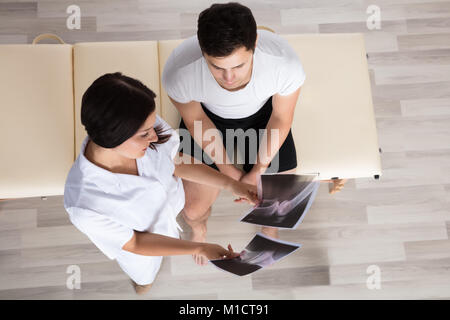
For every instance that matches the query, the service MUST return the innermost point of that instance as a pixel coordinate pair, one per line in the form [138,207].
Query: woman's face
[136,146]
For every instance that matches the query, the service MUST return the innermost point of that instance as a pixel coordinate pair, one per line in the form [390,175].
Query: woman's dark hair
[222,28]
[115,107]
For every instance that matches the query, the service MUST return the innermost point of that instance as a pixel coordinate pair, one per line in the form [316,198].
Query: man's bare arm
[283,108]
[193,111]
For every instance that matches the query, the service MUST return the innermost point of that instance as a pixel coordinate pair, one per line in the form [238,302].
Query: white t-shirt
[276,70]
[108,207]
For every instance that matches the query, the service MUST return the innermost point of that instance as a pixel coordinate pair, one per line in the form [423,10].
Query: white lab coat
[107,207]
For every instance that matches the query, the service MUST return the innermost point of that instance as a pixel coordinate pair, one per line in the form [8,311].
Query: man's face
[233,71]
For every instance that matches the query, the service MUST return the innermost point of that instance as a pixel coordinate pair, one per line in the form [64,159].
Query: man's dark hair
[114,107]
[222,28]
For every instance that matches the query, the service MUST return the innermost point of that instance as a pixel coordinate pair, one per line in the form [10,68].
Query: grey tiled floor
[400,223]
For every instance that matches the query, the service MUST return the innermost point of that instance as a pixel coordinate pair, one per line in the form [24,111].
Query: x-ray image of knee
[261,258]
[284,186]
[261,252]
[285,200]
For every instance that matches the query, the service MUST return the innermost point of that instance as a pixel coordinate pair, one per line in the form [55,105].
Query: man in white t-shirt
[232,77]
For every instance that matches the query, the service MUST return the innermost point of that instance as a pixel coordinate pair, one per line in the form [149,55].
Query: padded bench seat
[36,119]
[334,125]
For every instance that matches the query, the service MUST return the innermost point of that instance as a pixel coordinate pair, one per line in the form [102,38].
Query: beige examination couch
[41,86]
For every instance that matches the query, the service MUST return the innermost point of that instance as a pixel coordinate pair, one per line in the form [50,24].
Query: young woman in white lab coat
[124,190]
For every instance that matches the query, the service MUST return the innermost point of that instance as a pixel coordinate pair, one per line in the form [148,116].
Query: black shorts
[285,159]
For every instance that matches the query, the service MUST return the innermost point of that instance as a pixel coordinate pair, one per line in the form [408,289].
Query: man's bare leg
[197,209]
[273,232]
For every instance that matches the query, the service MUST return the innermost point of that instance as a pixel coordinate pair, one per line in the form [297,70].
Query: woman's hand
[245,192]
[217,252]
